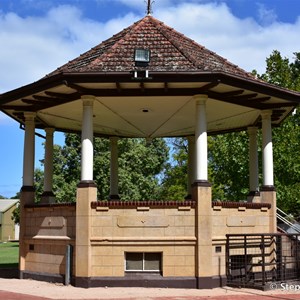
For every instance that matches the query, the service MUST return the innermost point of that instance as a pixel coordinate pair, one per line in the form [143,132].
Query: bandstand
[147,81]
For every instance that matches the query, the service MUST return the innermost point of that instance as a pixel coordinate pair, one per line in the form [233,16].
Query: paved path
[16,296]
[16,289]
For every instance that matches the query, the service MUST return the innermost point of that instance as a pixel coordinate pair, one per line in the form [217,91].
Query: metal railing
[257,260]
[287,223]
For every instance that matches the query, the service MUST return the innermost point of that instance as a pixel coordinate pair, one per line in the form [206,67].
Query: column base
[48,197]
[204,183]
[86,183]
[27,195]
[253,197]
[268,188]
[27,188]
[211,282]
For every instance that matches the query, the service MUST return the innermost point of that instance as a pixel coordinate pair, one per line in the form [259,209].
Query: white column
[87,147]
[114,178]
[268,179]
[29,149]
[191,164]
[253,159]
[201,138]
[48,166]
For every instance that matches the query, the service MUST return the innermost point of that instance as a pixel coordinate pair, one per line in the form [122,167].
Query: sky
[37,36]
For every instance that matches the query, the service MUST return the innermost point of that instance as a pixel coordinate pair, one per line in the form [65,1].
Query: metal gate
[257,260]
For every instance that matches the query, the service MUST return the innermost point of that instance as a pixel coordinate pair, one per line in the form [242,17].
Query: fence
[256,260]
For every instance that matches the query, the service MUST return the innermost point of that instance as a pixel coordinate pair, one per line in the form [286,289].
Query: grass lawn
[9,255]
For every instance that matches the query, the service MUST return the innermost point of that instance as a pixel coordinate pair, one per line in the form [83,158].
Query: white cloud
[265,15]
[35,46]
[242,41]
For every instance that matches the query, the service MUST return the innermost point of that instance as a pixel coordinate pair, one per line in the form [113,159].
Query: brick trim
[232,204]
[40,205]
[135,204]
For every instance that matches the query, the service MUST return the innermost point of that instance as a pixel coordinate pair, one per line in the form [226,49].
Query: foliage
[139,166]
[228,165]
[174,182]
[286,141]
[16,215]
[281,72]
[16,212]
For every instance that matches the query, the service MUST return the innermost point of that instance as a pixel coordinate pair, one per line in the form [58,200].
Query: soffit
[149,108]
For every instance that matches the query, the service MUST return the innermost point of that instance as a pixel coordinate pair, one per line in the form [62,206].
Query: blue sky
[37,36]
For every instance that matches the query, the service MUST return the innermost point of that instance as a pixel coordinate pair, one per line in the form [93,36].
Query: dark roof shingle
[171,51]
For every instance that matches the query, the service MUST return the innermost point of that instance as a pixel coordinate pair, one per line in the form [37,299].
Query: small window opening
[141,57]
[218,249]
[142,262]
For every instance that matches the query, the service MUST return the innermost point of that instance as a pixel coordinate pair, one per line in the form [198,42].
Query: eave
[121,77]
[53,97]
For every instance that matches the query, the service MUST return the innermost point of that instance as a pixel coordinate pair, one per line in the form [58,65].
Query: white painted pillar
[29,150]
[253,160]
[268,178]
[114,178]
[48,166]
[201,138]
[87,147]
[191,164]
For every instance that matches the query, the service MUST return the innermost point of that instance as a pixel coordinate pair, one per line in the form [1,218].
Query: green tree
[228,165]
[140,164]
[174,181]
[16,215]
[281,72]
[16,212]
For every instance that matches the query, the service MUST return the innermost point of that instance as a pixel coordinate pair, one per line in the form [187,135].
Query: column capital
[49,130]
[113,139]
[191,138]
[252,130]
[200,99]
[88,100]
[29,115]
[266,114]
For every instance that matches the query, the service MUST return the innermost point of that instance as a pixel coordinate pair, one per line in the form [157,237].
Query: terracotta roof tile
[170,51]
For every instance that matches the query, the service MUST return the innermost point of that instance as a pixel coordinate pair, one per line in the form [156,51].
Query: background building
[8,229]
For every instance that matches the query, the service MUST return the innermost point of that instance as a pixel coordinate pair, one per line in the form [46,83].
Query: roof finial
[149,6]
